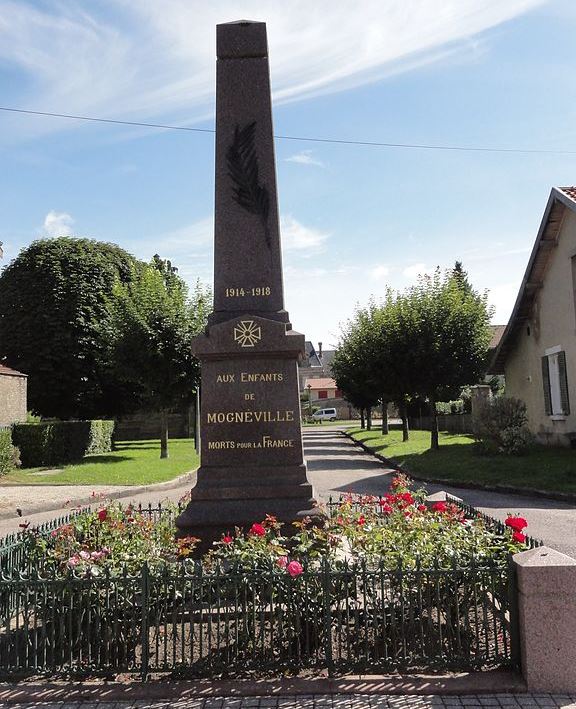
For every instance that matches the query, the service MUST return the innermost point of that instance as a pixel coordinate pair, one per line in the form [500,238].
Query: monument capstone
[252,461]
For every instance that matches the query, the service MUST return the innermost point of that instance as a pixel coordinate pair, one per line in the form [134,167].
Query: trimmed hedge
[58,442]
[6,451]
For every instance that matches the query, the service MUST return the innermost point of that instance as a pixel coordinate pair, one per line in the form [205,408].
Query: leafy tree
[152,323]
[445,329]
[53,305]
[352,368]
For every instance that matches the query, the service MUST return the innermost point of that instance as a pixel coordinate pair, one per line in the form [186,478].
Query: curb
[508,489]
[485,683]
[129,492]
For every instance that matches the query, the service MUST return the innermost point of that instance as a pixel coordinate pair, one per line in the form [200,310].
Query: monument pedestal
[252,458]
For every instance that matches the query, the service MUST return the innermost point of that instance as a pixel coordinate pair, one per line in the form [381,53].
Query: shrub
[57,442]
[398,528]
[9,454]
[500,426]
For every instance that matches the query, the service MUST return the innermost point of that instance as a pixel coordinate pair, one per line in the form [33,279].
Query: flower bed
[386,583]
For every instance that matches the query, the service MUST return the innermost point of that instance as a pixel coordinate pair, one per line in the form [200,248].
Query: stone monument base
[219,503]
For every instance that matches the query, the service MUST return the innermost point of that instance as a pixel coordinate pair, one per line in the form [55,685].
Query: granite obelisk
[252,460]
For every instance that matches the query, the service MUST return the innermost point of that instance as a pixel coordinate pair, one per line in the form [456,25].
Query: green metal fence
[186,621]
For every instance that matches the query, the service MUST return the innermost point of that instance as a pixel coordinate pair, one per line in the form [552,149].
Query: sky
[354,219]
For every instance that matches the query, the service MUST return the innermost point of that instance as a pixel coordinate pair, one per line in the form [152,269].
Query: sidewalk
[326,701]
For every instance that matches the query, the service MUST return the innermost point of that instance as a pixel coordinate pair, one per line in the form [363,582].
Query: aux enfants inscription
[252,461]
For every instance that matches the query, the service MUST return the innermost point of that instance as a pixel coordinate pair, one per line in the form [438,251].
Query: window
[338,394]
[555,381]
[322,394]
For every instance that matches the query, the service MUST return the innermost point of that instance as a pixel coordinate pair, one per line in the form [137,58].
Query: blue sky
[354,219]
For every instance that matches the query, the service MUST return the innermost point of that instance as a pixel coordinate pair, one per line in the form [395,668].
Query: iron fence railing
[192,621]
[187,621]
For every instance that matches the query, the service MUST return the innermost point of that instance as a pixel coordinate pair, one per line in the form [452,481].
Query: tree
[352,367]
[152,324]
[445,327]
[53,306]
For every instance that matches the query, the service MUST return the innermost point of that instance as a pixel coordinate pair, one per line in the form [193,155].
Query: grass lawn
[133,463]
[458,461]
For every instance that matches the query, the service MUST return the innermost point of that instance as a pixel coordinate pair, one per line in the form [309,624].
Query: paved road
[336,465]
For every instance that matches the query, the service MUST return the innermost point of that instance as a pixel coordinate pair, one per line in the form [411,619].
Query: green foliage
[429,341]
[500,426]
[53,306]
[152,324]
[57,442]
[9,454]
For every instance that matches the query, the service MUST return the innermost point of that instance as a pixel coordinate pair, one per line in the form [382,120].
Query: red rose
[294,568]
[516,523]
[519,537]
[102,515]
[387,509]
[406,497]
[227,539]
[257,530]
[361,520]
[439,507]
[422,508]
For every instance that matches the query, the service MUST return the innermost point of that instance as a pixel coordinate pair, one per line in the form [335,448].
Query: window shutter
[564,397]
[546,382]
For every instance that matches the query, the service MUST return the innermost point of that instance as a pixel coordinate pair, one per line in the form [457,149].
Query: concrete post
[547,616]
[480,394]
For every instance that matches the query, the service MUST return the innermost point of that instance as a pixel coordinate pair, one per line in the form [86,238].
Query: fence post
[327,617]
[515,653]
[546,602]
[145,593]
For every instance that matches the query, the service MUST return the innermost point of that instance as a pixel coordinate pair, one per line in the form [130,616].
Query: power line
[333,141]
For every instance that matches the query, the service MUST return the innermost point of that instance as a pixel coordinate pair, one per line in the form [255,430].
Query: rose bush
[395,529]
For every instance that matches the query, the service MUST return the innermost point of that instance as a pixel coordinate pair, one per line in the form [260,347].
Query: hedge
[57,442]
[6,453]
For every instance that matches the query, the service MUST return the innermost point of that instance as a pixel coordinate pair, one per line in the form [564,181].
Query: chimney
[319,350]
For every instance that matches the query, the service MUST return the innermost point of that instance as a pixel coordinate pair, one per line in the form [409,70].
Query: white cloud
[305,157]
[416,269]
[380,271]
[57,224]
[150,59]
[297,237]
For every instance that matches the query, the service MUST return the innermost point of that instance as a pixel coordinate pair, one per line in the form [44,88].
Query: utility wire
[334,141]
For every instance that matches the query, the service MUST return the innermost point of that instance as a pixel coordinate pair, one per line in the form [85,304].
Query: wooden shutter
[546,382]
[564,396]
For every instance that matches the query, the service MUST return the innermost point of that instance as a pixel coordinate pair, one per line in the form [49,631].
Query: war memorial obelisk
[252,461]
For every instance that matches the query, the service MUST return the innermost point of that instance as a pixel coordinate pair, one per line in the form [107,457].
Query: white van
[324,415]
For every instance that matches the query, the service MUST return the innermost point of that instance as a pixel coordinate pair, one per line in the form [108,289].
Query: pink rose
[73,561]
[282,562]
[84,555]
[294,568]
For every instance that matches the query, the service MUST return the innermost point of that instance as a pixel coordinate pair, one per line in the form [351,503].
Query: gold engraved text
[268,442]
[261,377]
[251,416]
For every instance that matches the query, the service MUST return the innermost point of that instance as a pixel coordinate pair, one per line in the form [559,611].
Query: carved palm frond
[243,170]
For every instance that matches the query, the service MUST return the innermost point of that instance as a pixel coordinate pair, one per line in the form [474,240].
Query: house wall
[13,392]
[553,324]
